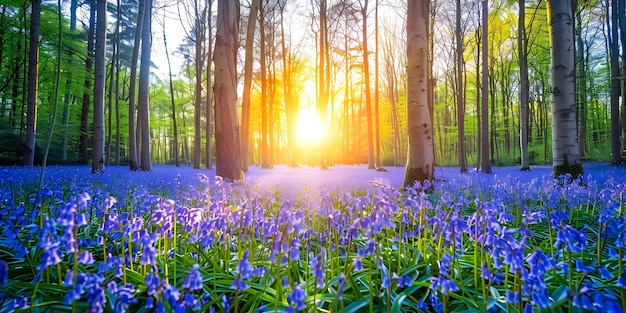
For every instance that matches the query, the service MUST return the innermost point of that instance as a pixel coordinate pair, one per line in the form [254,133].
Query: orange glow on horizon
[309,127]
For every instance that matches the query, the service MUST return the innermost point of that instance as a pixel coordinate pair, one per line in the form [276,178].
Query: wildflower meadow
[305,240]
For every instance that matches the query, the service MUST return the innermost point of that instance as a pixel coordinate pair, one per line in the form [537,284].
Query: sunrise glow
[309,126]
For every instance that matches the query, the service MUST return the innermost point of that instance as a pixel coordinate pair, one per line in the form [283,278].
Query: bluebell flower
[148,255]
[604,273]
[318,269]
[96,298]
[340,285]
[85,257]
[512,297]
[193,281]
[370,247]
[357,264]
[581,267]
[152,282]
[225,303]
[192,302]
[297,297]
[4,273]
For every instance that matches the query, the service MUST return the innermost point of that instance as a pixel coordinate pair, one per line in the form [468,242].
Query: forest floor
[287,180]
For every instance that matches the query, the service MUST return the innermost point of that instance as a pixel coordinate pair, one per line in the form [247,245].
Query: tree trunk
[117,86]
[616,141]
[97,157]
[209,83]
[368,95]
[265,153]
[376,91]
[247,83]
[460,91]
[227,144]
[565,156]
[622,25]
[197,107]
[581,69]
[132,129]
[522,44]
[143,108]
[28,147]
[419,166]
[174,125]
[484,106]
[84,115]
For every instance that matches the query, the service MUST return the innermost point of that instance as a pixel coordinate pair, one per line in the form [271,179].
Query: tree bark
[247,83]
[616,142]
[143,109]
[97,157]
[368,94]
[209,87]
[484,106]
[460,91]
[522,46]
[419,166]
[198,32]
[28,148]
[622,26]
[565,156]
[132,131]
[227,141]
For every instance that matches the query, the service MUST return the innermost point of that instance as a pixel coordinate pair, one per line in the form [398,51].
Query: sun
[309,127]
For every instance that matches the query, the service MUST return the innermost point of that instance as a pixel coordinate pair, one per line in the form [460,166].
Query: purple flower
[4,273]
[604,273]
[297,297]
[340,285]
[581,267]
[193,281]
[357,264]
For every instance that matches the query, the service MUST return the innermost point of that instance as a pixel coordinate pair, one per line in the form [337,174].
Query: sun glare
[309,126]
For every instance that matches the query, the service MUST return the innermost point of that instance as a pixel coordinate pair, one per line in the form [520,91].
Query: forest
[316,82]
[399,156]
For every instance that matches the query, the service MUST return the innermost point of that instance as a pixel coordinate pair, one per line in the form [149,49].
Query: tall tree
[247,84]
[368,94]
[209,83]
[171,84]
[86,101]
[97,157]
[460,90]
[484,106]
[227,144]
[132,88]
[143,108]
[565,156]
[616,143]
[420,158]
[28,148]
[522,46]
[622,25]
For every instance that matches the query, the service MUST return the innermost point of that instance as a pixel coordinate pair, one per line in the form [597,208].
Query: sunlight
[309,127]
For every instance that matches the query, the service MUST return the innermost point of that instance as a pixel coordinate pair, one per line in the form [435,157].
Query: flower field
[179,240]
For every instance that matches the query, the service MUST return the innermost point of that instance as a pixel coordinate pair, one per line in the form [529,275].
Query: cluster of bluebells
[145,251]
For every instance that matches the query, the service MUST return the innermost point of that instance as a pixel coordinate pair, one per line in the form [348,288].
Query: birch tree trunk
[28,148]
[420,158]
[97,159]
[227,144]
[565,155]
